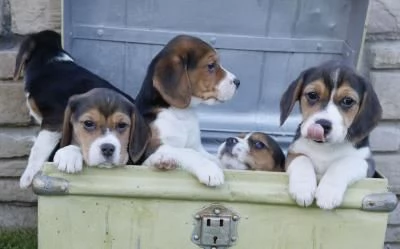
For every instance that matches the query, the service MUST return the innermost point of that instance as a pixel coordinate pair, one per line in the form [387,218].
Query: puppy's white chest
[178,127]
[324,155]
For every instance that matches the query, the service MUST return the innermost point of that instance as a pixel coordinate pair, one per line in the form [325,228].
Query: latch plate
[215,227]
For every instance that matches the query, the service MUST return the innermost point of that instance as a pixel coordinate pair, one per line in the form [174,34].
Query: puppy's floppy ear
[139,136]
[368,116]
[172,81]
[23,55]
[66,137]
[290,96]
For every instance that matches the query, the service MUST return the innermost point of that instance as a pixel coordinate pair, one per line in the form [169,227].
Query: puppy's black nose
[231,141]
[236,82]
[107,150]
[326,125]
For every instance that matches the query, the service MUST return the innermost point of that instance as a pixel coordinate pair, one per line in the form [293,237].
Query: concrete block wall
[20,17]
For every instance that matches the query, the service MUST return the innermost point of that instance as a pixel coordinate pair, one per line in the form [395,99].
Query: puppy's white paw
[26,179]
[329,196]
[210,174]
[161,161]
[69,159]
[303,190]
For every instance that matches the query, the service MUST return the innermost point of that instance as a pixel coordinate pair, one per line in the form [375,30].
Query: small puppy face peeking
[106,126]
[188,71]
[336,104]
[253,151]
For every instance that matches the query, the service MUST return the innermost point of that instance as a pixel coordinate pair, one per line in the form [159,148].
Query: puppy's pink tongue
[316,132]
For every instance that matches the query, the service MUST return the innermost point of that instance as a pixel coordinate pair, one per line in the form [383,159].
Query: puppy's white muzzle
[105,151]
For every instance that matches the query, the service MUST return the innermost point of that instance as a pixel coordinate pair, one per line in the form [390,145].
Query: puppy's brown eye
[89,125]
[312,97]
[211,67]
[121,126]
[347,102]
[259,145]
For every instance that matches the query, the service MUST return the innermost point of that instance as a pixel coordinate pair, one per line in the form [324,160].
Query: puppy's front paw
[26,179]
[329,196]
[161,162]
[303,190]
[210,174]
[69,159]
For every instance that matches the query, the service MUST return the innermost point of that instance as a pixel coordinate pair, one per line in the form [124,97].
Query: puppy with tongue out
[330,150]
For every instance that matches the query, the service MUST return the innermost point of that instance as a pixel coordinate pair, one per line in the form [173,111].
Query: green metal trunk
[141,208]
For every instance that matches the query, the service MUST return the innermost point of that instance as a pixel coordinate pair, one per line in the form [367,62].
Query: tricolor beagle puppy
[185,73]
[339,110]
[252,151]
[102,126]
[51,76]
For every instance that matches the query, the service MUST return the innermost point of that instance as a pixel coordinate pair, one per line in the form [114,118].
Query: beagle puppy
[101,126]
[339,110]
[252,151]
[184,74]
[51,76]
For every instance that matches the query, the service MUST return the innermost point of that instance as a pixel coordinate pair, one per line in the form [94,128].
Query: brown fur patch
[203,81]
[261,159]
[182,71]
[345,90]
[318,87]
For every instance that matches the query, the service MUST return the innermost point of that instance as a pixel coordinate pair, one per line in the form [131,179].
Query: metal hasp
[47,185]
[215,227]
[380,202]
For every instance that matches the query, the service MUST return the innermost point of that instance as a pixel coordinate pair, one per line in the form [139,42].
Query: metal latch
[215,227]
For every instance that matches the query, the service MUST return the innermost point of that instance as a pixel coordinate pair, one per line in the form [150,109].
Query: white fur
[37,118]
[62,57]
[69,159]
[240,152]
[206,171]
[179,133]
[95,156]
[331,113]
[337,165]
[302,180]
[226,88]
[44,144]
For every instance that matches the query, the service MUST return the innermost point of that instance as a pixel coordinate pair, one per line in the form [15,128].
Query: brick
[11,192]
[17,216]
[387,87]
[388,165]
[394,216]
[385,138]
[385,55]
[383,16]
[12,167]
[13,108]
[35,15]
[7,65]
[16,142]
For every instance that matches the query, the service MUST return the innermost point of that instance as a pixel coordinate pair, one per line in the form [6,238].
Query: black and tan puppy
[104,128]
[51,76]
[339,109]
[252,151]
[186,73]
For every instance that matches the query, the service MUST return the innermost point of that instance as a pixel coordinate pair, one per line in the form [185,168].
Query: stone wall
[17,132]
[19,17]
[383,57]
